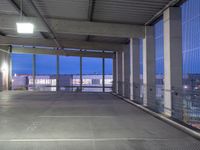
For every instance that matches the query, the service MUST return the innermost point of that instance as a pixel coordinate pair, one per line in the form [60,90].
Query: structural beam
[173,63]
[77,27]
[91,13]
[64,43]
[62,52]
[172,3]
[45,22]
[91,9]
[17,7]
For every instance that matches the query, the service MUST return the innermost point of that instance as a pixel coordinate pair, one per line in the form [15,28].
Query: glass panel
[69,73]
[21,71]
[45,79]
[191,61]
[92,74]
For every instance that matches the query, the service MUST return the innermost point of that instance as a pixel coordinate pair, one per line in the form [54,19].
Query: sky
[46,64]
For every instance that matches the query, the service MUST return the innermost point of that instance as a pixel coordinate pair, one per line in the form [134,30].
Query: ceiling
[136,12]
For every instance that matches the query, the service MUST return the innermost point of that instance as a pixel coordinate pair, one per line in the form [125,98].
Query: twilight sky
[46,64]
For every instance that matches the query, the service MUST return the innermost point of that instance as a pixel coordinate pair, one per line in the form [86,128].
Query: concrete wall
[4,70]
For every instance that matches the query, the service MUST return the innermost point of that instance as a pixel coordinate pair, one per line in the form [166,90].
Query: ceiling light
[25,28]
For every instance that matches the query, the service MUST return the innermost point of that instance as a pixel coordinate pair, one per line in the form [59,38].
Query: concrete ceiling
[131,12]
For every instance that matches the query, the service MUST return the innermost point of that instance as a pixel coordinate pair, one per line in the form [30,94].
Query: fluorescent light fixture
[25,28]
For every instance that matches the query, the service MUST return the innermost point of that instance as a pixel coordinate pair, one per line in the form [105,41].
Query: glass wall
[45,79]
[108,74]
[69,78]
[191,61]
[92,74]
[45,69]
[21,71]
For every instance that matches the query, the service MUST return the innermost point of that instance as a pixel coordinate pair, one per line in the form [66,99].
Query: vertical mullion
[81,72]
[34,70]
[57,73]
[103,73]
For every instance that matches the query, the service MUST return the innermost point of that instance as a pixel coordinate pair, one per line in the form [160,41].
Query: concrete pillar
[172,62]
[149,67]
[114,86]
[135,69]
[119,73]
[126,68]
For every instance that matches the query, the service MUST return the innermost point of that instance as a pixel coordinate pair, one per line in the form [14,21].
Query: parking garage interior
[99,74]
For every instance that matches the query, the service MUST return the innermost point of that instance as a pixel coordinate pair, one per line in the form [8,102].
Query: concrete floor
[67,121]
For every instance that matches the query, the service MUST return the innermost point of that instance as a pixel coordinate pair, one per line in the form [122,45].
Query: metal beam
[62,52]
[44,20]
[17,7]
[78,27]
[90,13]
[65,43]
[172,3]
[91,9]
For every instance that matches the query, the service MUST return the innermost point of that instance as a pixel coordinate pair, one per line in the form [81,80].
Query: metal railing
[71,88]
[185,103]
